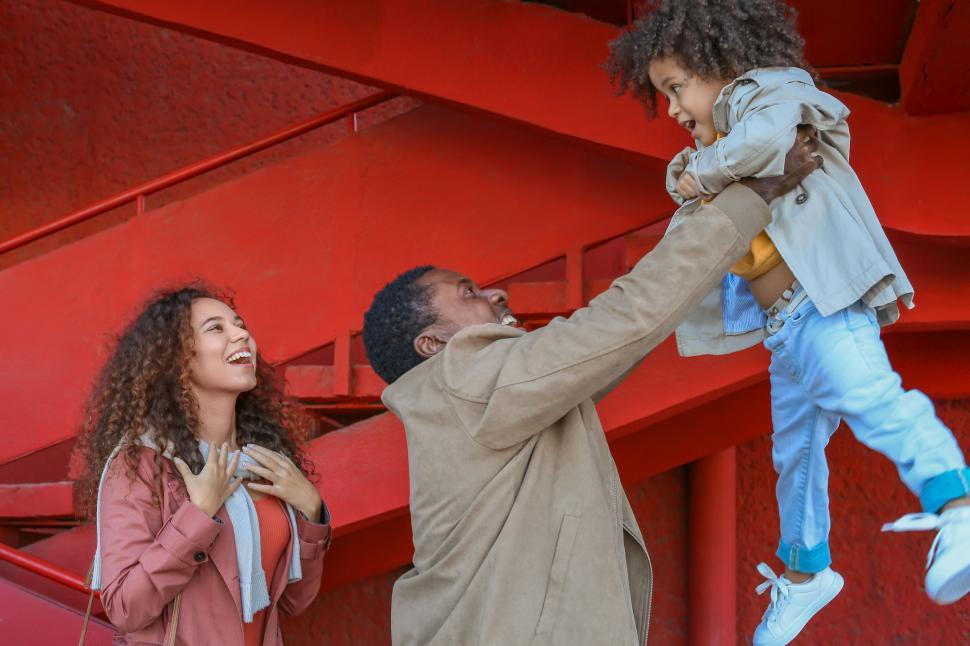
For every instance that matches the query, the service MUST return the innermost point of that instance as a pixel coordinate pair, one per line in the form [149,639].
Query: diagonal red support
[935,71]
[505,71]
[322,222]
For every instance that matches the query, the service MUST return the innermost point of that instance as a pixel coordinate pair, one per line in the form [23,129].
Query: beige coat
[522,531]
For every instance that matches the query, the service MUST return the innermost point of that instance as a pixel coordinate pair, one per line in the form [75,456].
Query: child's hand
[686,187]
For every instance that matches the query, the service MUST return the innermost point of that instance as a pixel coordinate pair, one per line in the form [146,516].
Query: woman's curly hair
[145,386]
[714,39]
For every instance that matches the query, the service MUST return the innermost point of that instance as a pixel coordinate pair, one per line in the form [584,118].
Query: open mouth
[241,358]
[510,320]
[690,125]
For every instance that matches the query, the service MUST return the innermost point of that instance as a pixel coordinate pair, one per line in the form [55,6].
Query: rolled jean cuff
[943,488]
[802,559]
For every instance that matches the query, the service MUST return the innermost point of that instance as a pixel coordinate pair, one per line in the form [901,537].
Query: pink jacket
[150,553]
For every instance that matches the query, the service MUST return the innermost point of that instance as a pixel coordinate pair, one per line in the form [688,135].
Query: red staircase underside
[542,66]
[306,243]
[32,620]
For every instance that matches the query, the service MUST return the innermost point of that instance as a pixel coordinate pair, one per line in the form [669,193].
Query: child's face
[691,97]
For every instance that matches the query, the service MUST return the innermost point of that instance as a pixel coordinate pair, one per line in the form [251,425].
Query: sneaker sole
[832,592]
[954,589]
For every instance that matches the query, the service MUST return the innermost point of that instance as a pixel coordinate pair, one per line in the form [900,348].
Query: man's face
[459,303]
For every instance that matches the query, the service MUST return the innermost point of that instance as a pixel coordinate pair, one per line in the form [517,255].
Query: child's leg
[846,371]
[801,433]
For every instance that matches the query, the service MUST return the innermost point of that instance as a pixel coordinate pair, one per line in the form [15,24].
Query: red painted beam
[935,70]
[29,618]
[712,561]
[665,415]
[315,383]
[138,193]
[70,553]
[542,66]
[37,500]
[321,222]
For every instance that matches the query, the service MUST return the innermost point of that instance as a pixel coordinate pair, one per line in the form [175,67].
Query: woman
[196,537]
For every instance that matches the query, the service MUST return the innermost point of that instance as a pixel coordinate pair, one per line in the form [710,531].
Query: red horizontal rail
[138,193]
[43,568]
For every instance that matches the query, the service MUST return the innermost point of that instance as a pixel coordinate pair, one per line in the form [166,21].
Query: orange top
[762,258]
[274,535]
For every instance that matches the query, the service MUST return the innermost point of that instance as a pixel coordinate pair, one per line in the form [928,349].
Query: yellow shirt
[762,258]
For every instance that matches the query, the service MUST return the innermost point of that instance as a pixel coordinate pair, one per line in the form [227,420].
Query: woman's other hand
[286,481]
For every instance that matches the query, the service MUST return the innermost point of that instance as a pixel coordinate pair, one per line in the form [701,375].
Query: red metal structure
[529,174]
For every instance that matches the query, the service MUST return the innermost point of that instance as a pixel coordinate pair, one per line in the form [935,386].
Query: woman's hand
[287,482]
[215,483]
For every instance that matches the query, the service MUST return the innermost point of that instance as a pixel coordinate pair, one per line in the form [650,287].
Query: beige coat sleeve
[510,389]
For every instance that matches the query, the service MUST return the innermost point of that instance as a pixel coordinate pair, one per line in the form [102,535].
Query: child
[816,287]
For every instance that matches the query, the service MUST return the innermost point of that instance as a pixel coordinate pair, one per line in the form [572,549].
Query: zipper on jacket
[646,622]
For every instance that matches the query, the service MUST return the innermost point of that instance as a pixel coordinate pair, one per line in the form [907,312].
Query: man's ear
[429,343]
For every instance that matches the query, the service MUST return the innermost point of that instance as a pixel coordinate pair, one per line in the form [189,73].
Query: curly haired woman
[207,524]
[815,288]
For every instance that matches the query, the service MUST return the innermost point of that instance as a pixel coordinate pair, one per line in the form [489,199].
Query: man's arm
[542,375]
[546,373]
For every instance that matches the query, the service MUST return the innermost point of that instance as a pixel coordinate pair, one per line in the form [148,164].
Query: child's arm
[759,141]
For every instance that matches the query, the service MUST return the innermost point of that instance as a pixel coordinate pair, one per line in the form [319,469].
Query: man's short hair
[397,315]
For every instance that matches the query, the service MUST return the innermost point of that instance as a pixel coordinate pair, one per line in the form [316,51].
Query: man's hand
[800,162]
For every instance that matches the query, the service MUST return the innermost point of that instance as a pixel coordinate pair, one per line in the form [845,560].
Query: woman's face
[224,357]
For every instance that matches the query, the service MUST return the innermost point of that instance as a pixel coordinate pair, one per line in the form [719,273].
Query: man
[522,531]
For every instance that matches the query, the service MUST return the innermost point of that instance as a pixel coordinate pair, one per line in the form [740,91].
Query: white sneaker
[793,604]
[948,563]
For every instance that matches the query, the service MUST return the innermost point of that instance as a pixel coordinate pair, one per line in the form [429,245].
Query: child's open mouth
[690,125]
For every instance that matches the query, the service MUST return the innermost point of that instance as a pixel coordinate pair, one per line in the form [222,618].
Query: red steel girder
[670,412]
[306,243]
[29,618]
[37,500]
[935,70]
[658,419]
[542,66]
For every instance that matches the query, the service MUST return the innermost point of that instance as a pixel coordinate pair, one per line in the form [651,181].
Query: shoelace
[920,522]
[780,589]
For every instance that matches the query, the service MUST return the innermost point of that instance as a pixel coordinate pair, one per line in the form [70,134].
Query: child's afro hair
[714,39]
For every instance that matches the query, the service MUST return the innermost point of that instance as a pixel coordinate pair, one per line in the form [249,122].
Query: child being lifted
[816,287]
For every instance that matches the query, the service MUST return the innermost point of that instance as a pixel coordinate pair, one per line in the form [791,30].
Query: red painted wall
[883,600]
[92,104]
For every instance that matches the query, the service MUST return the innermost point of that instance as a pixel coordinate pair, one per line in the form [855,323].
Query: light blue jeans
[824,370]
